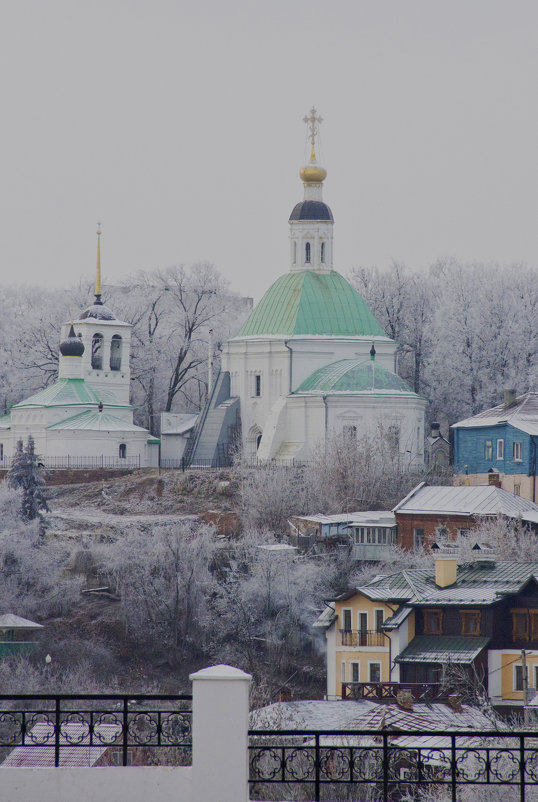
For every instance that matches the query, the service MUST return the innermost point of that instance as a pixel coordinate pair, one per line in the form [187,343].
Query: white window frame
[359,613]
[517,489]
[345,610]
[375,663]
[500,448]
[378,610]
[514,677]
[517,450]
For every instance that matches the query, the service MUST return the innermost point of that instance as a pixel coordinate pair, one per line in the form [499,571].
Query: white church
[84,419]
[311,360]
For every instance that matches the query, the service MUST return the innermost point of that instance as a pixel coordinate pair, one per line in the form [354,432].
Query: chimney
[446,565]
[509,398]
[435,432]
[404,699]
[454,701]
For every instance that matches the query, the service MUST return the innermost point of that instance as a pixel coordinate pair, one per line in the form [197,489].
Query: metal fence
[387,765]
[81,463]
[57,730]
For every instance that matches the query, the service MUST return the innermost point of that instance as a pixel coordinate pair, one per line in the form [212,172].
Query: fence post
[220,734]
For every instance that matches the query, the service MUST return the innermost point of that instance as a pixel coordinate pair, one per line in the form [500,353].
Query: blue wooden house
[499,446]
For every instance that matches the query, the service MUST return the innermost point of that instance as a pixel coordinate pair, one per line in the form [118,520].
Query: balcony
[362,637]
[421,691]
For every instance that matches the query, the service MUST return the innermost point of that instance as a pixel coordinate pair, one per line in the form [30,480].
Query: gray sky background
[179,125]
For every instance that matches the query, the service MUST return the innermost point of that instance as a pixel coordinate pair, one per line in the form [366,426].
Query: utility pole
[210,363]
[525,685]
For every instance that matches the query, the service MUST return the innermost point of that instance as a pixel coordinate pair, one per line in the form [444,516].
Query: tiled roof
[365,714]
[442,649]
[477,500]
[477,584]
[96,421]
[523,414]
[36,754]
[308,303]
[326,617]
[394,621]
[70,392]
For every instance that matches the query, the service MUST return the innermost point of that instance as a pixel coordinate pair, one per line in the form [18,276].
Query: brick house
[428,512]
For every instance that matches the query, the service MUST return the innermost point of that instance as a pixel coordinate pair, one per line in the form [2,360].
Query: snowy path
[91,515]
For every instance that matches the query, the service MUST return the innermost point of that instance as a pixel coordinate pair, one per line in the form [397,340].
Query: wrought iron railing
[420,691]
[362,637]
[391,765]
[45,730]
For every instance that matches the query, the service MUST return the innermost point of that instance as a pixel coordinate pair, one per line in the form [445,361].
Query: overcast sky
[179,125]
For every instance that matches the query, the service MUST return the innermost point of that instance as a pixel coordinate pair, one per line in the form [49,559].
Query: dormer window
[97,352]
[307,251]
[322,256]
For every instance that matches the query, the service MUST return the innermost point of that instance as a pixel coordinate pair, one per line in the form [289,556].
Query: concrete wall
[220,758]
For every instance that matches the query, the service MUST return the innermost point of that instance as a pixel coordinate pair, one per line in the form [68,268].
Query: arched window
[322,253]
[115,352]
[97,352]
[123,451]
[307,253]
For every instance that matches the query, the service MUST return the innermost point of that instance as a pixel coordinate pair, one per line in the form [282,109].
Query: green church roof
[69,392]
[311,304]
[353,376]
[93,420]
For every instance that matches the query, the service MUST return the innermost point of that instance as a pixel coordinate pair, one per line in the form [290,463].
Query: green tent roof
[70,392]
[96,421]
[353,376]
[308,303]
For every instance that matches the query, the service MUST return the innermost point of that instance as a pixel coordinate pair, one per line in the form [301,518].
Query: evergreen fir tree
[26,473]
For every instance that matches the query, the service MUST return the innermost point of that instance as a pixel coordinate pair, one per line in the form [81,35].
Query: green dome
[308,303]
[353,376]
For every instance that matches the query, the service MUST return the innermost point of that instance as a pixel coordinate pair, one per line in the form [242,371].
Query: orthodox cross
[313,123]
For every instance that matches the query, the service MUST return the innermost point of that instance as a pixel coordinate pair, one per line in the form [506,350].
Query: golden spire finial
[98,272]
[313,122]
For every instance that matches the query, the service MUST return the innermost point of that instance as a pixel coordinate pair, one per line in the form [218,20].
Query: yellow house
[407,627]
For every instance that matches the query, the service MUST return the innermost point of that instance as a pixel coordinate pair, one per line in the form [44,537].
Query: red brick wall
[407,523]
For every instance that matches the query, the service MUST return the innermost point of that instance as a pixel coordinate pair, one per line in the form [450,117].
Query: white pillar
[220,734]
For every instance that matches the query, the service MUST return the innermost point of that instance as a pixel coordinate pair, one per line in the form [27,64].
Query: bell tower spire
[98,300]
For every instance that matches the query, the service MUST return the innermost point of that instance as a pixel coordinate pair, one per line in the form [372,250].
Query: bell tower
[311,221]
[103,361]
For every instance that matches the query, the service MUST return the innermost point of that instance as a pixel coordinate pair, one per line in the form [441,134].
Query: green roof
[311,304]
[442,649]
[353,376]
[96,421]
[70,392]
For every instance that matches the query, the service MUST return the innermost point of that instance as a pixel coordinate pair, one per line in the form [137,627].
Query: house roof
[11,621]
[365,518]
[394,621]
[178,423]
[364,714]
[326,617]
[96,421]
[74,741]
[477,584]
[70,392]
[466,500]
[442,649]
[312,304]
[523,415]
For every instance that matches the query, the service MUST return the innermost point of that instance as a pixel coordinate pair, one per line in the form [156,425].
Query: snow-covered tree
[26,474]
